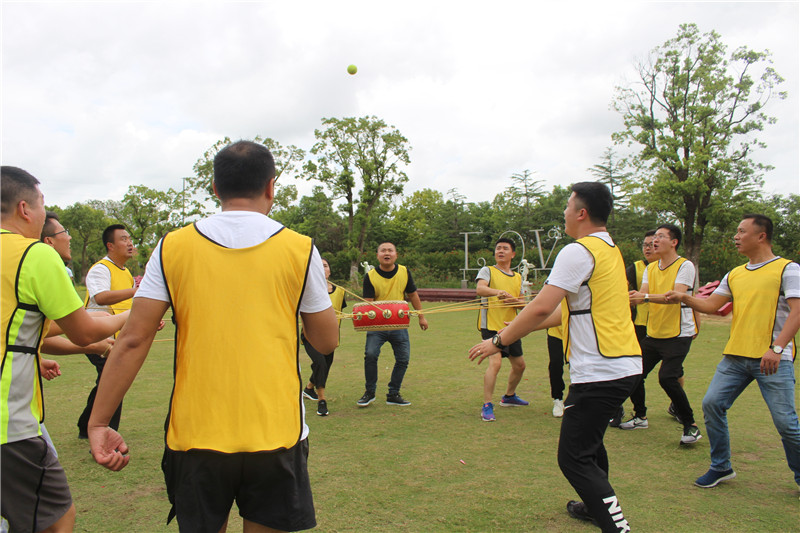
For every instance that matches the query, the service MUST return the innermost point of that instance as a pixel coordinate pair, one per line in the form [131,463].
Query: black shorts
[512,350]
[34,486]
[270,488]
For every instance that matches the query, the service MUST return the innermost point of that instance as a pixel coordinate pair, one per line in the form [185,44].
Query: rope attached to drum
[391,314]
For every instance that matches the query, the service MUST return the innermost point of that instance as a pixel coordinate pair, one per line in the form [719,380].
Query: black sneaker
[311,394]
[368,398]
[672,412]
[578,510]
[322,408]
[396,399]
[617,420]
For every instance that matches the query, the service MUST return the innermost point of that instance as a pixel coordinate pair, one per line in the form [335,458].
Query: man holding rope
[766,317]
[600,345]
[500,289]
[389,281]
[235,428]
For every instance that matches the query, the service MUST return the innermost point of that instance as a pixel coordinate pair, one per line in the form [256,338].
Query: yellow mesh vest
[21,401]
[664,321]
[494,314]
[755,301]
[558,331]
[237,384]
[121,279]
[610,307]
[389,289]
[643,308]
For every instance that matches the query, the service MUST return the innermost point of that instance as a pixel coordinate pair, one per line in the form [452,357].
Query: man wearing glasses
[670,330]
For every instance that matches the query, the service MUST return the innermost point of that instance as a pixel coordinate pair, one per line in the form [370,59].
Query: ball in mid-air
[352,69]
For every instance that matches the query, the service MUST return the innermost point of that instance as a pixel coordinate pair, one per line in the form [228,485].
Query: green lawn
[387,468]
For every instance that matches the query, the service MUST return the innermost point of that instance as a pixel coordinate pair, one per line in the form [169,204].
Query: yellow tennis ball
[352,69]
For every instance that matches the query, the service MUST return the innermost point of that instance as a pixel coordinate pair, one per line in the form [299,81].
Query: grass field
[388,468]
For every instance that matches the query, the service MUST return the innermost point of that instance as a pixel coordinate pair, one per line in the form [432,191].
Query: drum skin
[381,316]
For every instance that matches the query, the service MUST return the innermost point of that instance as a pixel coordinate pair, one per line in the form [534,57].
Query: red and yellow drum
[381,316]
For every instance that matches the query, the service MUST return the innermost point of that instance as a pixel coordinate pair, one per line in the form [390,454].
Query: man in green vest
[35,291]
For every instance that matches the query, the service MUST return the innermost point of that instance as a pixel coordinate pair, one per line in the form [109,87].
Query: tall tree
[201,184]
[360,161]
[85,224]
[694,112]
[525,191]
[611,172]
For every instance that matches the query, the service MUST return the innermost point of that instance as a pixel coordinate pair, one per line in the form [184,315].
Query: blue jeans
[401,346]
[733,375]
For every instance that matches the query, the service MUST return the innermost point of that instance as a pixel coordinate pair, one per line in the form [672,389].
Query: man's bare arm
[321,329]
[82,328]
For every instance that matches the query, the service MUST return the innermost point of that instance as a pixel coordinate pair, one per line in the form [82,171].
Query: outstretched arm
[704,305]
[538,314]
[83,328]
[415,301]
[124,362]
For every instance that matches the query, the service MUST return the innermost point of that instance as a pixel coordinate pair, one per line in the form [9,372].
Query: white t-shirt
[790,288]
[98,279]
[574,265]
[686,276]
[242,229]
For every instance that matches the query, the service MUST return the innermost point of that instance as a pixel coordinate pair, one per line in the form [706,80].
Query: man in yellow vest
[236,428]
[389,281]
[670,330]
[109,287]
[35,291]
[762,344]
[634,273]
[599,343]
[500,289]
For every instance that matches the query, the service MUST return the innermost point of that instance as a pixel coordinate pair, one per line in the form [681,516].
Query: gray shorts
[34,486]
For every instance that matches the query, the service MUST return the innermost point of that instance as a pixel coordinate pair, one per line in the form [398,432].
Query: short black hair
[762,221]
[596,198]
[108,233]
[48,228]
[674,232]
[243,170]
[649,233]
[15,185]
[507,241]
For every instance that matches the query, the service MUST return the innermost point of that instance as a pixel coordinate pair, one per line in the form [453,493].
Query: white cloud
[99,96]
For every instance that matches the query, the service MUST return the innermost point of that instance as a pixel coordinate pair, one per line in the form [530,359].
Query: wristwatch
[646,298]
[496,341]
[777,349]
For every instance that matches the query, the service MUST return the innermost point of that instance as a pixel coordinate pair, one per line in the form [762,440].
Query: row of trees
[690,125]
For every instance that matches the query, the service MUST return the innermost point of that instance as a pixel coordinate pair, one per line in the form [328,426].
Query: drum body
[381,316]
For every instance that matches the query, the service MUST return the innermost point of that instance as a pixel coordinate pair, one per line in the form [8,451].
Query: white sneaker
[634,423]
[558,408]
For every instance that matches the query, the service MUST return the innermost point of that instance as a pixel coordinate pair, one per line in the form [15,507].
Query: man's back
[236,341]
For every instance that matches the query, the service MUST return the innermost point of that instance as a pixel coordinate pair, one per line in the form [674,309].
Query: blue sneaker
[512,401]
[713,477]
[487,412]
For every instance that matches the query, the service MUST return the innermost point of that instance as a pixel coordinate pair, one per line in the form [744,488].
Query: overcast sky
[98,96]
